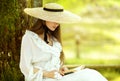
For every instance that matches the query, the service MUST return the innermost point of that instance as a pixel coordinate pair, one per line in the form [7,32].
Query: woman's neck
[49,38]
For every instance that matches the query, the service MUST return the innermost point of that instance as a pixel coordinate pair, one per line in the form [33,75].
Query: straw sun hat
[53,12]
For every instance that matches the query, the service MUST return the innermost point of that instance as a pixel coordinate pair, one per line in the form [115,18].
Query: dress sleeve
[26,66]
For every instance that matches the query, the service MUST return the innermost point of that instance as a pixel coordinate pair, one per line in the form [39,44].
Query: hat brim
[59,17]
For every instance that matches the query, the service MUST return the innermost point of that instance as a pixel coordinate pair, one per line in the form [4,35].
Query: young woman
[41,51]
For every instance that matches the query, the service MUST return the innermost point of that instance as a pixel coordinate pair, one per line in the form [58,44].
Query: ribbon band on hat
[53,10]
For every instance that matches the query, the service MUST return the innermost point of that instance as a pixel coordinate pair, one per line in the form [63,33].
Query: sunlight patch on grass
[116,79]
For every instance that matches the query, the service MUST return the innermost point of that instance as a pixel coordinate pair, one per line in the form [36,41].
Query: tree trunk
[13,23]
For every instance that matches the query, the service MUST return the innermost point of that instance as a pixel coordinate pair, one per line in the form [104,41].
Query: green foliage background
[98,30]
[98,33]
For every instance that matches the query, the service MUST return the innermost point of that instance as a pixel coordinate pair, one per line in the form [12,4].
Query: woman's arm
[30,72]
[26,55]
[49,74]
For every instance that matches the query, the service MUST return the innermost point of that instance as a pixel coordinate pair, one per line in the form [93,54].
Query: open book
[74,70]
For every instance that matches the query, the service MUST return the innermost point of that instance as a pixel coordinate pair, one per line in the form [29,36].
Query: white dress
[35,53]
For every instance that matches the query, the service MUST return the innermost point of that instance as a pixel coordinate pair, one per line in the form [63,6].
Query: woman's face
[52,25]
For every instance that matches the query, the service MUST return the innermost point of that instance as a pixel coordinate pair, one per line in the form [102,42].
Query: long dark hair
[38,28]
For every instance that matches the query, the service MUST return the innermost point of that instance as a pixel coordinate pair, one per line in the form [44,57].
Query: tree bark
[13,23]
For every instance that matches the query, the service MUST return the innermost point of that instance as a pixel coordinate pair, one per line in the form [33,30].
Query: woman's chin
[52,29]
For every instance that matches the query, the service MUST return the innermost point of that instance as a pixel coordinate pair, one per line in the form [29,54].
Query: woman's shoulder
[29,35]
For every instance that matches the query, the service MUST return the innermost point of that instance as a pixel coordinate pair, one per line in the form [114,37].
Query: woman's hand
[49,74]
[63,70]
[35,70]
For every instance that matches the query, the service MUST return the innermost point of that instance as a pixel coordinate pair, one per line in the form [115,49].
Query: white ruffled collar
[56,47]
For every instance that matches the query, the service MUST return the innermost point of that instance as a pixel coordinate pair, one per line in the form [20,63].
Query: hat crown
[53,6]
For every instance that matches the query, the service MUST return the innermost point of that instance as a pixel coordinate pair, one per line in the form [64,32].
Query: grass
[111,75]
